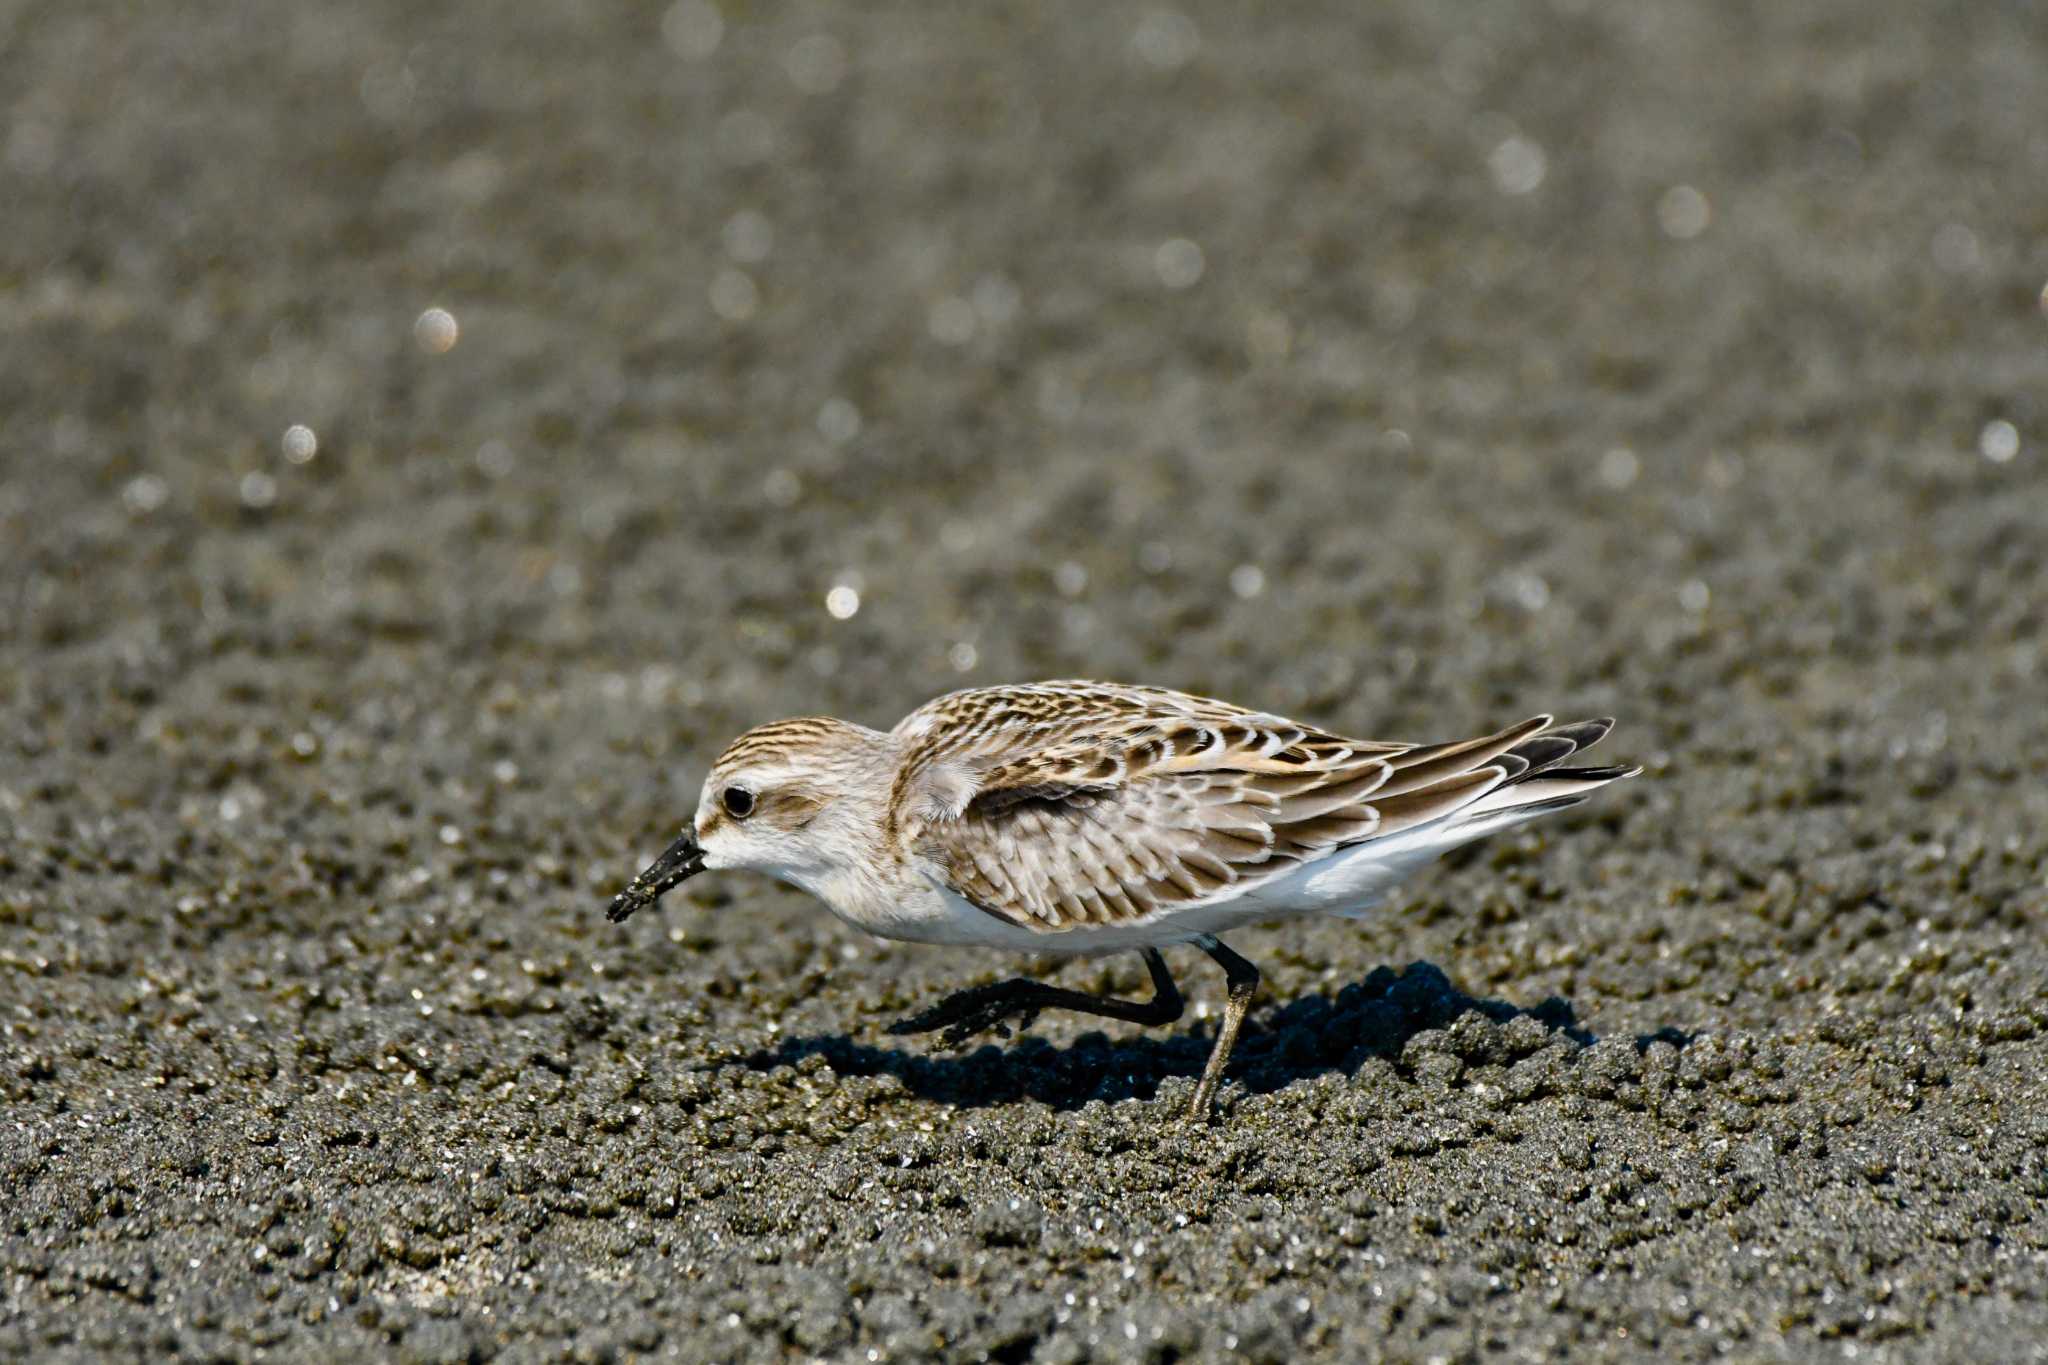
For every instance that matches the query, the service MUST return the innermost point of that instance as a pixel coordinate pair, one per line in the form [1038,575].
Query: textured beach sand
[1411,368]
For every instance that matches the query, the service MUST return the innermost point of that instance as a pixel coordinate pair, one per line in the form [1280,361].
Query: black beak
[682,861]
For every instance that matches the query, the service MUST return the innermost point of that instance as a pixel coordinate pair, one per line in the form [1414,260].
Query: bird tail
[1495,783]
[1536,783]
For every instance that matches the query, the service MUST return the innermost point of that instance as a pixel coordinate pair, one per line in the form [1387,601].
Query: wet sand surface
[1410,368]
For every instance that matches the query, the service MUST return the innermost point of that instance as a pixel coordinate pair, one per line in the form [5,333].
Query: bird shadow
[1374,1018]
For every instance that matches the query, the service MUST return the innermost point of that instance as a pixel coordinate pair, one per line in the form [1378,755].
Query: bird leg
[981,1008]
[1243,979]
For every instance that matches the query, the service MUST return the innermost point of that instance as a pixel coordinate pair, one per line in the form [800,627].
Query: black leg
[1243,979]
[968,1012]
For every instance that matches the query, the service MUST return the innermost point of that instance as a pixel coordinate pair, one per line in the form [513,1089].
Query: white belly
[1346,884]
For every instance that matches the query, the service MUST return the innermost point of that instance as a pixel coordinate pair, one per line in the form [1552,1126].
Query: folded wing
[1069,805]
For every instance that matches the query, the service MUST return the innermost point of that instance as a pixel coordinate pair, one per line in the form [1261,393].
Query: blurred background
[427,434]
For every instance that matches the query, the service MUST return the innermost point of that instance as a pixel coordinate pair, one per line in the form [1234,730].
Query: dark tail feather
[1607,774]
[1535,784]
[1544,751]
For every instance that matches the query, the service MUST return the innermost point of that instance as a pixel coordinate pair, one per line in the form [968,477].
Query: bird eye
[739,802]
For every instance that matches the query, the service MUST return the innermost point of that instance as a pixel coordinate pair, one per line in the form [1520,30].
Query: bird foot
[980,1009]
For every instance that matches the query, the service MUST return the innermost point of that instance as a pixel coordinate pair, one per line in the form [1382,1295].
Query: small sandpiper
[1085,817]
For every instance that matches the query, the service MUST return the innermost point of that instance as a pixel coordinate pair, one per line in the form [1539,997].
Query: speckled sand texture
[1410,367]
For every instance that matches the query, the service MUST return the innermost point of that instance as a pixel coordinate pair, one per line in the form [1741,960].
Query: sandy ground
[1409,367]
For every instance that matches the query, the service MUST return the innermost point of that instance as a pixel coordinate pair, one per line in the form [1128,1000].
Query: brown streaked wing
[1102,855]
[1099,805]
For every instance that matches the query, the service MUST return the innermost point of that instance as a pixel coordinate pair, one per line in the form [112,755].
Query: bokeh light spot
[1179,263]
[838,421]
[1619,467]
[734,296]
[145,493]
[1268,337]
[1683,212]
[693,29]
[748,237]
[436,331]
[1529,591]
[258,490]
[1518,165]
[1165,39]
[1999,442]
[494,458]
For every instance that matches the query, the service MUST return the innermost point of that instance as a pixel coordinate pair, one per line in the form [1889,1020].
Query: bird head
[800,800]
